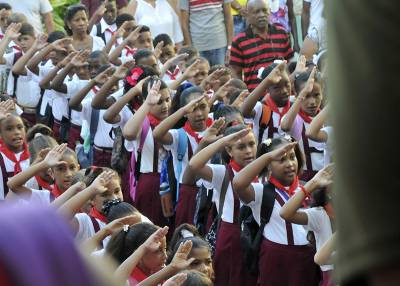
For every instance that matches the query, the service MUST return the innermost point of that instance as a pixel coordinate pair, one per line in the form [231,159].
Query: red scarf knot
[130,51]
[291,190]
[11,156]
[173,75]
[307,118]
[271,103]
[96,214]
[43,184]
[189,130]
[153,120]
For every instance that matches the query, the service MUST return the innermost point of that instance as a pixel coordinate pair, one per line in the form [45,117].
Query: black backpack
[119,156]
[251,233]
[99,33]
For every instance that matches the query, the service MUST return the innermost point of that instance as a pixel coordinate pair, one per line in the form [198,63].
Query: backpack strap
[265,118]
[289,229]
[224,188]
[96,227]
[135,164]
[182,146]
[94,122]
[307,149]
[267,204]
[99,33]
[17,56]
[4,174]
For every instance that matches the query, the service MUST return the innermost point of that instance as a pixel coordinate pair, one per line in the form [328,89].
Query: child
[167,52]
[106,27]
[150,155]
[284,256]
[240,148]
[18,85]
[317,218]
[14,153]
[5,14]
[267,115]
[202,69]
[297,120]
[197,278]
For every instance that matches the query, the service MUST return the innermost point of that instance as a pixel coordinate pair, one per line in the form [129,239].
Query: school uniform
[4,70]
[328,147]
[285,257]
[137,276]
[88,226]
[171,76]
[228,259]
[11,166]
[103,30]
[312,150]
[127,54]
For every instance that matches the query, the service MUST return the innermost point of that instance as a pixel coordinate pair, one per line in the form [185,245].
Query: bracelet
[305,192]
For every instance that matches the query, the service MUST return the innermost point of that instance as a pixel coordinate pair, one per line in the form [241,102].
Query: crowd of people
[188,143]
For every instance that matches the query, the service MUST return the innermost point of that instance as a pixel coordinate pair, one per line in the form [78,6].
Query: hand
[276,74]
[176,280]
[121,30]
[101,78]
[101,10]
[154,241]
[188,108]
[6,107]
[212,79]
[153,95]
[324,177]
[222,92]
[117,225]
[157,49]
[77,187]
[61,44]
[66,60]
[240,99]
[192,70]
[53,158]
[123,69]
[134,35]
[180,260]
[40,42]
[102,180]
[309,85]
[12,31]
[233,138]
[301,65]
[176,60]
[281,152]
[80,58]
[212,133]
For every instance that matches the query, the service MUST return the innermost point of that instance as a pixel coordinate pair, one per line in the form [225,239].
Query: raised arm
[274,77]
[45,83]
[97,15]
[314,131]
[133,36]
[324,254]
[290,116]
[12,33]
[69,193]
[172,63]
[189,72]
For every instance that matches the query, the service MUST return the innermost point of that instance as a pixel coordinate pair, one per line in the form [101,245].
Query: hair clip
[133,78]
[268,142]
[126,227]
[108,204]
[186,233]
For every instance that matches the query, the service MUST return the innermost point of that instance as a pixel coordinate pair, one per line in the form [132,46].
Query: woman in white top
[159,16]
[76,24]
[285,257]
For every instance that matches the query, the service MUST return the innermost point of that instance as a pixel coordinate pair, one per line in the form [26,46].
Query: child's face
[130,26]
[79,23]
[202,72]
[150,61]
[280,92]
[25,42]
[167,52]
[47,176]
[221,81]
[57,56]
[4,19]
[113,192]
[285,170]
[198,117]
[144,41]
[202,261]
[111,13]
[83,71]
[311,104]
[94,65]
[64,173]
[161,109]
[155,261]
[13,133]
[244,150]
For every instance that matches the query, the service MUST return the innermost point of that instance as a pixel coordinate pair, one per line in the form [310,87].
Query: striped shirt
[252,52]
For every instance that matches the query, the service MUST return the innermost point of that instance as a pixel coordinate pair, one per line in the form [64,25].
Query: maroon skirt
[326,278]
[148,200]
[186,206]
[287,265]
[74,135]
[228,260]
[102,158]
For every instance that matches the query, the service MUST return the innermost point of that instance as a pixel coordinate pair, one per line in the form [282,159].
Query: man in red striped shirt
[259,45]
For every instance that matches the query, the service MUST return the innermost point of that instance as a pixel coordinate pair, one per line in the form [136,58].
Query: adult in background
[259,45]
[93,5]
[311,15]
[35,11]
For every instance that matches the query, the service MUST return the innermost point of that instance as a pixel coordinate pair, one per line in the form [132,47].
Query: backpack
[134,166]
[65,125]
[251,233]
[182,146]
[265,118]
[211,236]
[86,159]
[99,33]
[17,56]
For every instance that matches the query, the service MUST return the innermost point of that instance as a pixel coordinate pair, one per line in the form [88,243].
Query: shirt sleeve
[184,5]
[314,218]
[236,54]
[297,127]
[45,7]
[174,146]
[256,204]
[9,58]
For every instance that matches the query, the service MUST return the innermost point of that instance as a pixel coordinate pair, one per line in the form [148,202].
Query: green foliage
[59,7]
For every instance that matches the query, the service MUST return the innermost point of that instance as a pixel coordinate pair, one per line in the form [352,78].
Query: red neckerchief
[236,167]
[271,103]
[96,214]
[110,31]
[189,130]
[173,75]
[291,189]
[153,121]
[138,275]
[11,156]
[56,192]
[307,118]
[95,89]
[42,183]
[130,51]
[17,48]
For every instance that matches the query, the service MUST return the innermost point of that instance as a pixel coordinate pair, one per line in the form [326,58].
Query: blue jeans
[215,57]
[239,24]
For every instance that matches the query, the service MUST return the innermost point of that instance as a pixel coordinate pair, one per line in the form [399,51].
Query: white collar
[104,26]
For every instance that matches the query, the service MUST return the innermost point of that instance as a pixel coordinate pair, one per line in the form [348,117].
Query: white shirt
[32,9]
[73,87]
[161,19]
[320,224]
[275,229]
[105,28]
[329,148]
[316,9]
[86,228]
[98,44]
[256,123]
[9,165]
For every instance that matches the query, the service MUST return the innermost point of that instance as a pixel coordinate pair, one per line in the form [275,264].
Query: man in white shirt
[311,15]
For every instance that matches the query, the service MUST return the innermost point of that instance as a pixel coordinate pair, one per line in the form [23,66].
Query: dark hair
[267,70]
[98,55]
[234,94]
[123,18]
[124,243]
[55,35]
[191,61]
[150,81]
[197,278]
[184,98]
[70,13]
[93,172]
[27,29]
[78,177]
[116,209]
[5,6]
[228,131]
[225,111]
[191,51]
[144,71]
[162,38]
[320,198]
[39,137]
[144,29]
[141,54]
[102,68]
[178,234]
[277,142]
[175,99]
[197,242]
